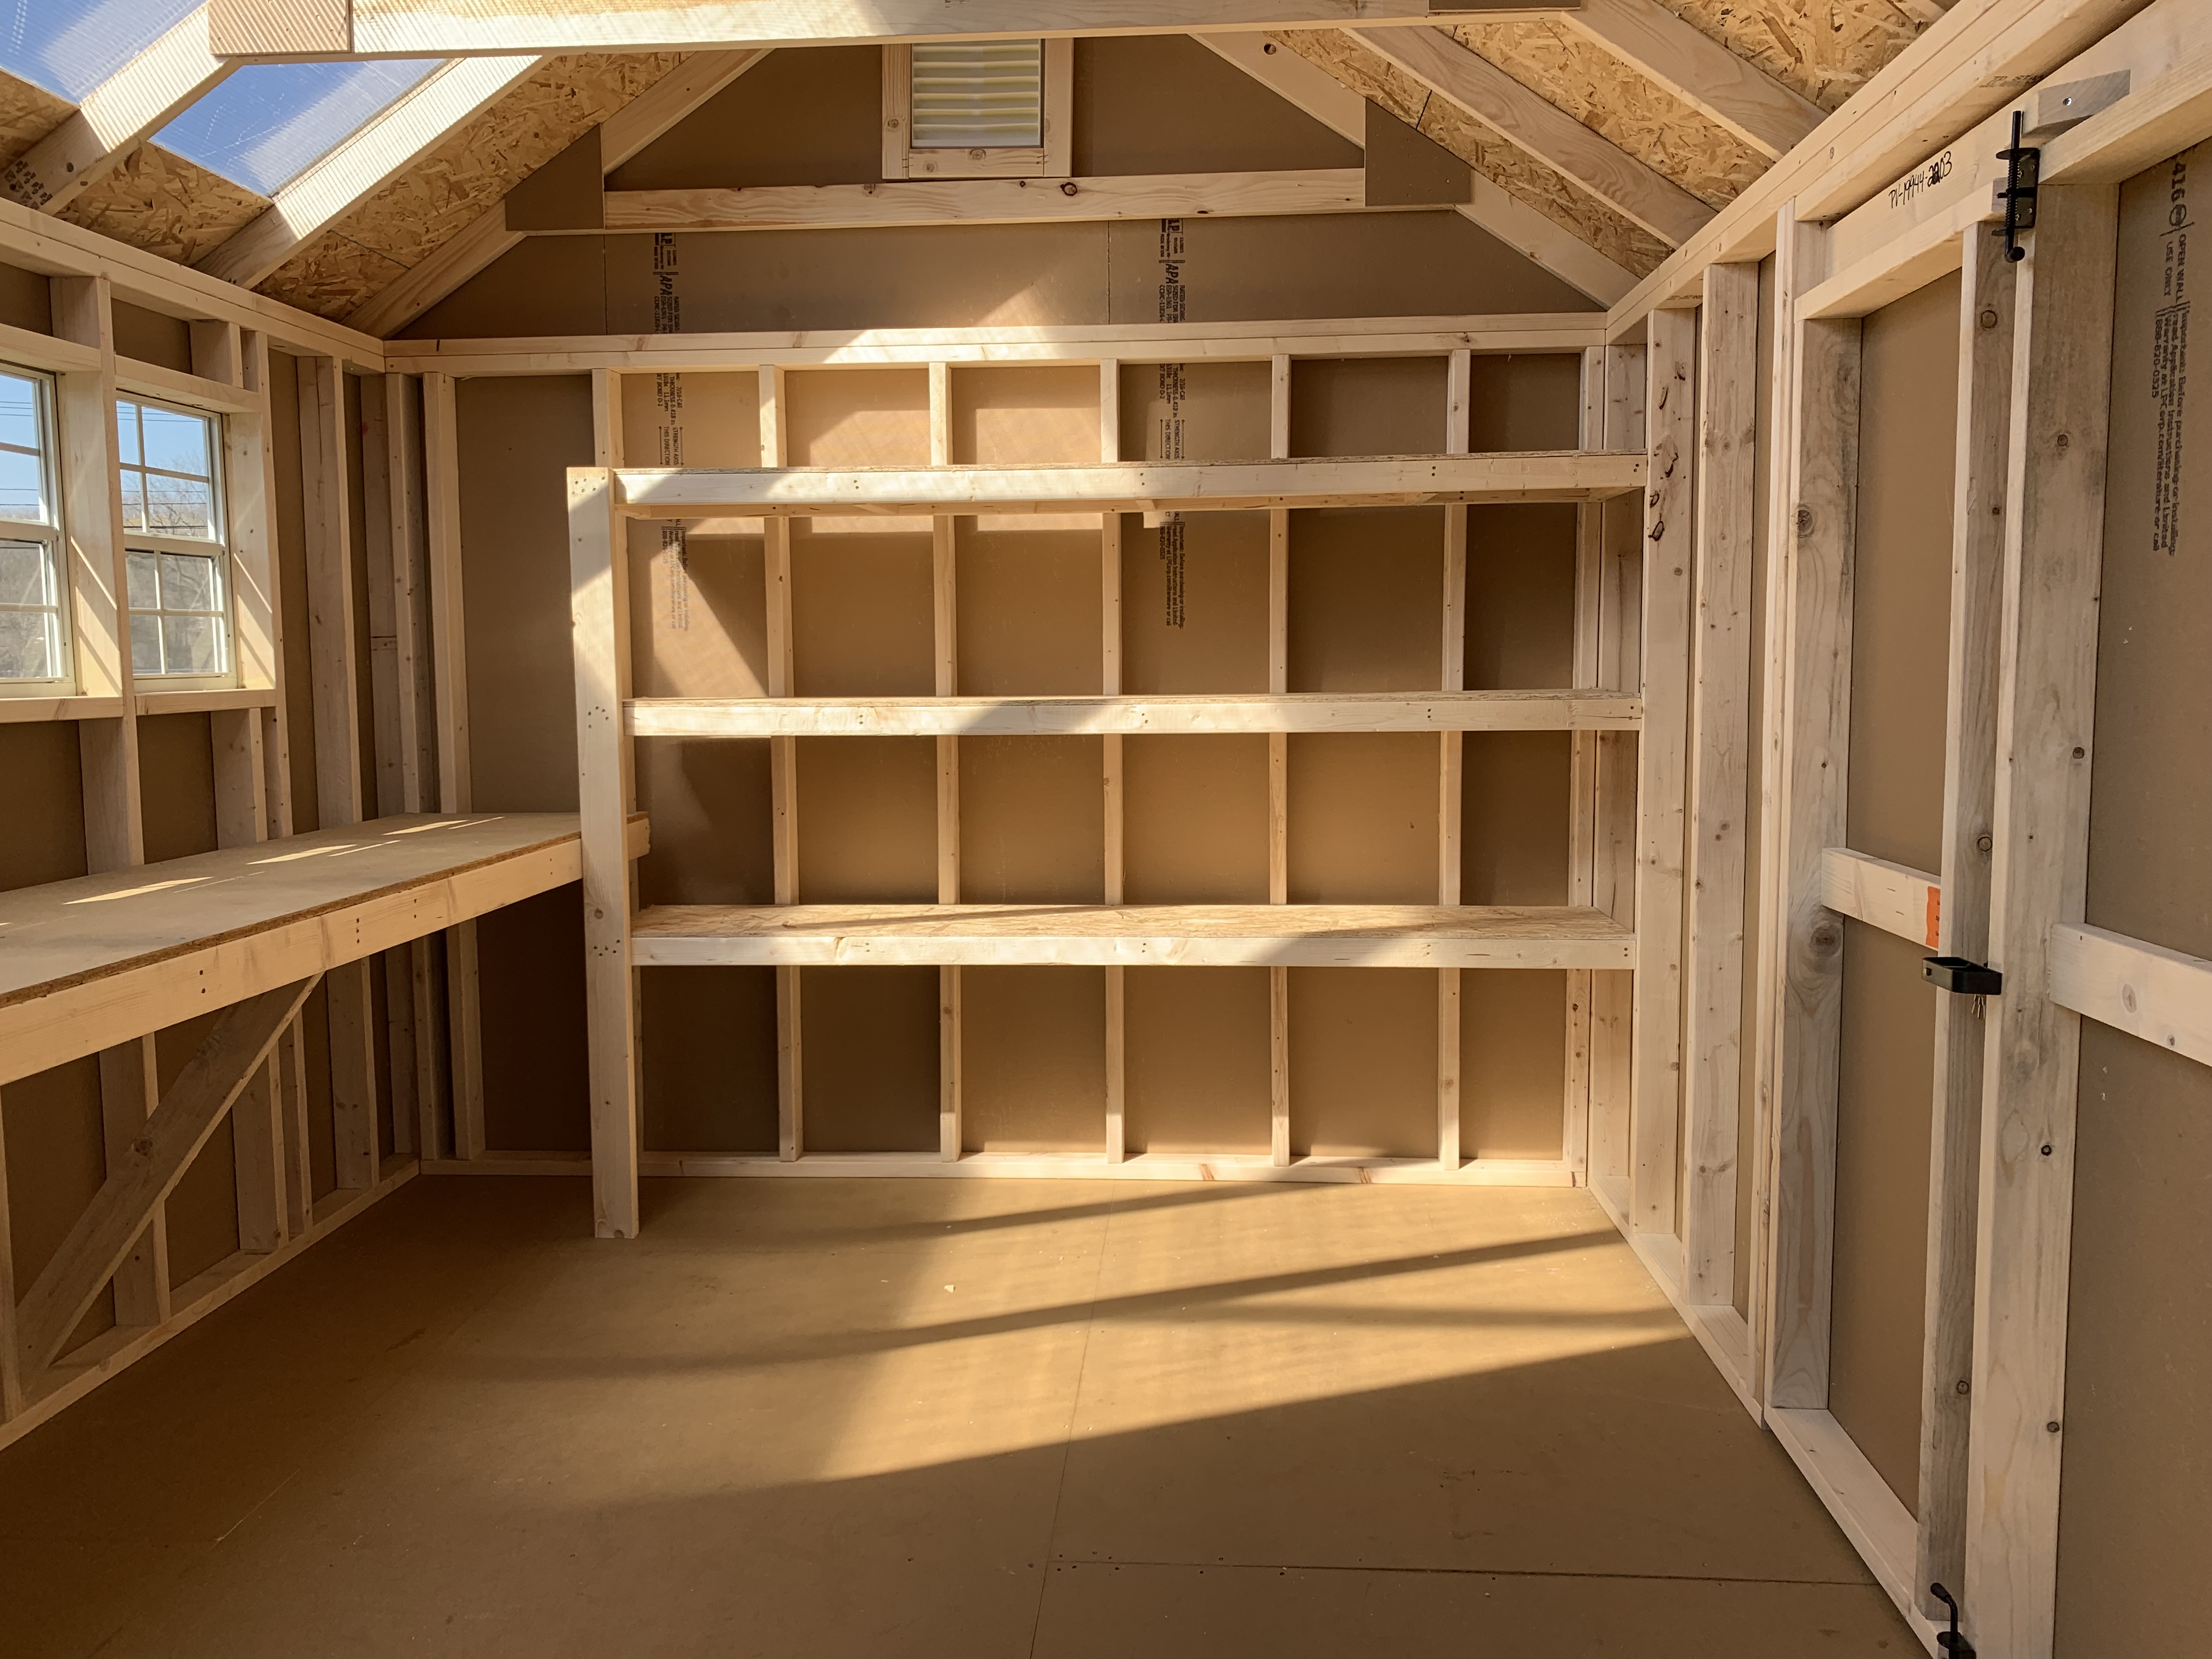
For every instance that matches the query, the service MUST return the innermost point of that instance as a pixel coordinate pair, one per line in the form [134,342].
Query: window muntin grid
[176,562]
[33,642]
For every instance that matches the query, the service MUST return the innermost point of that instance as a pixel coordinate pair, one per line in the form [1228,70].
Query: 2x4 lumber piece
[148,1169]
[1542,129]
[132,103]
[598,600]
[1663,777]
[1699,71]
[1987,292]
[2054,488]
[1894,897]
[1811,573]
[1720,741]
[1280,936]
[989,201]
[360,164]
[102,959]
[411,29]
[2162,996]
[1134,486]
[1447,713]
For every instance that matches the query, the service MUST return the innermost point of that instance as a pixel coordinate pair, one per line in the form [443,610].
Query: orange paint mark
[1935,915]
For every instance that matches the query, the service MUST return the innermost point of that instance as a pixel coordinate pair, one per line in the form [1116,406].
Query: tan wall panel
[702,419]
[518,438]
[1521,596]
[1033,1059]
[202,1207]
[1367,406]
[1196,1060]
[708,1060]
[867,820]
[1197,411]
[1030,604]
[1363,817]
[46,833]
[858,416]
[1364,1062]
[1194,603]
[861,613]
[530,987]
[698,613]
[1524,402]
[1195,820]
[1884,1097]
[26,299]
[800,118]
[712,813]
[2134,1528]
[1901,576]
[1512,1062]
[869,1038]
[1515,792]
[1165,103]
[153,337]
[1367,598]
[1026,415]
[1032,820]
[176,782]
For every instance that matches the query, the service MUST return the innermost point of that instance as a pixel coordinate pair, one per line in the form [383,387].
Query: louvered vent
[989,96]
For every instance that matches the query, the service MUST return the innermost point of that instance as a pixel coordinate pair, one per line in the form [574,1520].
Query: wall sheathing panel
[2134,1528]
[1196,1059]
[1194,819]
[871,1064]
[202,1206]
[709,1059]
[1363,1062]
[1033,1059]
[1901,631]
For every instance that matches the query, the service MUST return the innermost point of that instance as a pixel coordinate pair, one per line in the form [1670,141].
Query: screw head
[1983,843]
[2050,1427]
[1988,320]
[2046,1149]
[1962,1386]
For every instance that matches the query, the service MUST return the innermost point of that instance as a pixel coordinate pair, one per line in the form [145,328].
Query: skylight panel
[70,46]
[268,123]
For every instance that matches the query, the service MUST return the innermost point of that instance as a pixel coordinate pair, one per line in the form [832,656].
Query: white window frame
[47,534]
[135,541]
[1051,160]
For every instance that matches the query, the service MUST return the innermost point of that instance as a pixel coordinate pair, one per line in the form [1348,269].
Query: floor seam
[1477,1572]
[1074,1414]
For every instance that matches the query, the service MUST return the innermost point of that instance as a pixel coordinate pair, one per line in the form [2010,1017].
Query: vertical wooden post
[783,768]
[598,606]
[2046,695]
[1662,769]
[129,1088]
[11,1376]
[1279,768]
[1985,346]
[1459,375]
[1581,819]
[945,588]
[1811,567]
[1109,613]
[441,515]
[1719,777]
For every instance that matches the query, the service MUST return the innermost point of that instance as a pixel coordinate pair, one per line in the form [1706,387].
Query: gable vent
[988,96]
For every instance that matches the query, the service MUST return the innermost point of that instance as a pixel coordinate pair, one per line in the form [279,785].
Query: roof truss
[1700,71]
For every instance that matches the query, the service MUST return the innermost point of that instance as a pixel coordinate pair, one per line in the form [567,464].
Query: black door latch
[2023,167]
[1949,1640]
[1961,977]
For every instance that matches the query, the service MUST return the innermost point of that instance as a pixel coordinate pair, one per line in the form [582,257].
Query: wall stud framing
[1110,646]
[945,579]
[1279,768]
[783,761]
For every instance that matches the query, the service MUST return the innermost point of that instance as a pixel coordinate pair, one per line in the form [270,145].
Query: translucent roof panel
[70,46]
[269,122]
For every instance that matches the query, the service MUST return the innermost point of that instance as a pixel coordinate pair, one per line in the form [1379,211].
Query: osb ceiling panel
[1565,203]
[413,216]
[27,113]
[1823,50]
[165,204]
[1606,95]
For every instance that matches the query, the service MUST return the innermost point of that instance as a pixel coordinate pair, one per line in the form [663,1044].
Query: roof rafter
[1700,71]
[438,28]
[381,148]
[1493,208]
[1524,120]
[116,116]
[621,136]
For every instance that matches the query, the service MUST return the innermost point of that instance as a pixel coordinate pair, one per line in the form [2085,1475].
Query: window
[980,109]
[174,557]
[31,653]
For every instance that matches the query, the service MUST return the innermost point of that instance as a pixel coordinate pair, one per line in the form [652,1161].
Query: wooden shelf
[88,963]
[880,717]
[1133,486]
[1179,935]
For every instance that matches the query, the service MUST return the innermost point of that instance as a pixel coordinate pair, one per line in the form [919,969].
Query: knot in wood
[1826,935]
[1804,520]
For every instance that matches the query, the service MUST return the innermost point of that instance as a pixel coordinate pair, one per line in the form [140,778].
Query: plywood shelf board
[1133,487]
[1452,711]
[1291,935]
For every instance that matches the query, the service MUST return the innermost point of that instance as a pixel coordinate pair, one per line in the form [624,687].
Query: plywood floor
[894,1417]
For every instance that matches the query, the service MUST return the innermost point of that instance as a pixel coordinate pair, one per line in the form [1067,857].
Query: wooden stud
[945,625]
[1581,821]
[599,605]
[129,1088]
[1109,611]
[2054,488]
[1812,567]
[1663,762]
[1720,769]
[1459,376]
[11,1373]
[1977,520]
[783,766]
[1279,1066]
[1448,1067]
